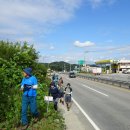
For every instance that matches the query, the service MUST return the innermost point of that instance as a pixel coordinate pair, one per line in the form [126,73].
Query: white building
[123,65]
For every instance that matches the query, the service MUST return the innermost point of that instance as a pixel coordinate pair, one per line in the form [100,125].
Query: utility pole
[85,57]
[64,68]
[48,66]
[70,67]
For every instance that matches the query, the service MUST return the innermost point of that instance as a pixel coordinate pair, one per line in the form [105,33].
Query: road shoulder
[71,120]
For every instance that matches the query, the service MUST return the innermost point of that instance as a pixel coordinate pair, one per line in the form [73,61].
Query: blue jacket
[28,84]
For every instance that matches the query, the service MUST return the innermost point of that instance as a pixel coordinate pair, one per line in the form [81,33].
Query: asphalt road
[103,106]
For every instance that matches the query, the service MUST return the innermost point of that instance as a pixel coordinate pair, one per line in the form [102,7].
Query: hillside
[60,66]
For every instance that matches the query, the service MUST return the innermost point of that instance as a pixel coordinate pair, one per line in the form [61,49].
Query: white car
[126,71]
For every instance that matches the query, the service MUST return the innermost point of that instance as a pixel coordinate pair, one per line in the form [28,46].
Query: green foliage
[7,50]
[51,121]
[10,76]
[40,71]
[26,56]
[13,58]
[60,66]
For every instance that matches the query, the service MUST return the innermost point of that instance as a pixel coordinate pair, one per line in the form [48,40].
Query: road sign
[81,62]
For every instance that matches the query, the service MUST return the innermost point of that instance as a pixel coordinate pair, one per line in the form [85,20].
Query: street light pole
[70,67]
[85,57]
[64,67]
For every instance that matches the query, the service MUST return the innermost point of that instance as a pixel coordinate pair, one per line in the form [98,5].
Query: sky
[69,30]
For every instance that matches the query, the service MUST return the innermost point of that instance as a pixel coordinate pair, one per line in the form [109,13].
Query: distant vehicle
[97,70]
[126,71]
[72,75]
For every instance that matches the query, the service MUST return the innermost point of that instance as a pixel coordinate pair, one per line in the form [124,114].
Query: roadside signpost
[48,99]
[81,62]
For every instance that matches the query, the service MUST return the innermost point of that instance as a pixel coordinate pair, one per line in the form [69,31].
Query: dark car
[72,75]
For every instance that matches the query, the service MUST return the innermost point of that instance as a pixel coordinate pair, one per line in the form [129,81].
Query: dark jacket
[54,92]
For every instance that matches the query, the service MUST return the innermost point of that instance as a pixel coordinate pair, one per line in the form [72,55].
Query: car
[72,75]
[126,71]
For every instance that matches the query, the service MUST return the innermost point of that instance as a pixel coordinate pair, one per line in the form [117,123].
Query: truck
[96,70]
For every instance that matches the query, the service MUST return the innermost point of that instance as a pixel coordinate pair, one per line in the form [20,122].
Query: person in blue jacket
[28,86]
[54,92]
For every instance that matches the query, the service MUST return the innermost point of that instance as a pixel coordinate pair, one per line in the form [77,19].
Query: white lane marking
[95,90]
[84,113]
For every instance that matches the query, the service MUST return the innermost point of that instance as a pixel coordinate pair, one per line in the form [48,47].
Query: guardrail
[119,83]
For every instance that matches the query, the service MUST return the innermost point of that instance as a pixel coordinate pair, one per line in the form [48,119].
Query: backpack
[69,88]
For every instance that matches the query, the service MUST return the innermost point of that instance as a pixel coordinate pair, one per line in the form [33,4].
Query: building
[123,65]
[91,69]
[113,66]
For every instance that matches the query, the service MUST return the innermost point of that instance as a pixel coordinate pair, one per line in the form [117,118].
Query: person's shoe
[68,108]
[24,127]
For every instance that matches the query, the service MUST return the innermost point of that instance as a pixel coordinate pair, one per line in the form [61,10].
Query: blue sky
[69,30]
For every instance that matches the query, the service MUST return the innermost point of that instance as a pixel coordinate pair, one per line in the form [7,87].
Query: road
[103,106]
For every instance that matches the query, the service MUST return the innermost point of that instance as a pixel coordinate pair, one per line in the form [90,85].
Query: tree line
[60,66]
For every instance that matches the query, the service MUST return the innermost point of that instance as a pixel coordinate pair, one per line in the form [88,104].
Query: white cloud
[23,39]
[8,31]
[52,48]
[71,57]
[43,46]
[98,53]
[40,46]
[29,17]
[84,44]
[98,3]
[95,3]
